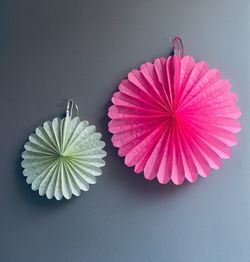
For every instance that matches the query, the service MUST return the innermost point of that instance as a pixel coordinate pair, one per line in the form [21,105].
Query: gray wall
[54,50]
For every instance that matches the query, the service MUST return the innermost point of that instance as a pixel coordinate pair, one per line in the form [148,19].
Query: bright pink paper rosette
[174,119]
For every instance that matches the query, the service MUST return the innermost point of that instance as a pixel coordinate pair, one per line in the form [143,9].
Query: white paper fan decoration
[63,157]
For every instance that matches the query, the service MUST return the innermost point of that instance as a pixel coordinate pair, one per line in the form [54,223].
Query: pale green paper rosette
[63,157]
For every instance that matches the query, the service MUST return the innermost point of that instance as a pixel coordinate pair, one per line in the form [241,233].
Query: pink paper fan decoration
[174,118]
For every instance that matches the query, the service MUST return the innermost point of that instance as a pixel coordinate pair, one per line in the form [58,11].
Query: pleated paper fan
[63,157]
[174,119]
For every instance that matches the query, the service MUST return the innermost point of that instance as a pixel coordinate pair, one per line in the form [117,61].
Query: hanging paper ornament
[174,118]
[64,156]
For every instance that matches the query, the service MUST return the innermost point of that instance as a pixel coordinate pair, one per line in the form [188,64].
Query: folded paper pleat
[174,119]
[63,157]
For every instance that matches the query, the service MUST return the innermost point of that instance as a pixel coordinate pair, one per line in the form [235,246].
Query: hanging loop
[178,46]
[71,106]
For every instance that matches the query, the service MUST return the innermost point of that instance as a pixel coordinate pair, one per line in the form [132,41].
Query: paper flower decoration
[63,157]
[174,118]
